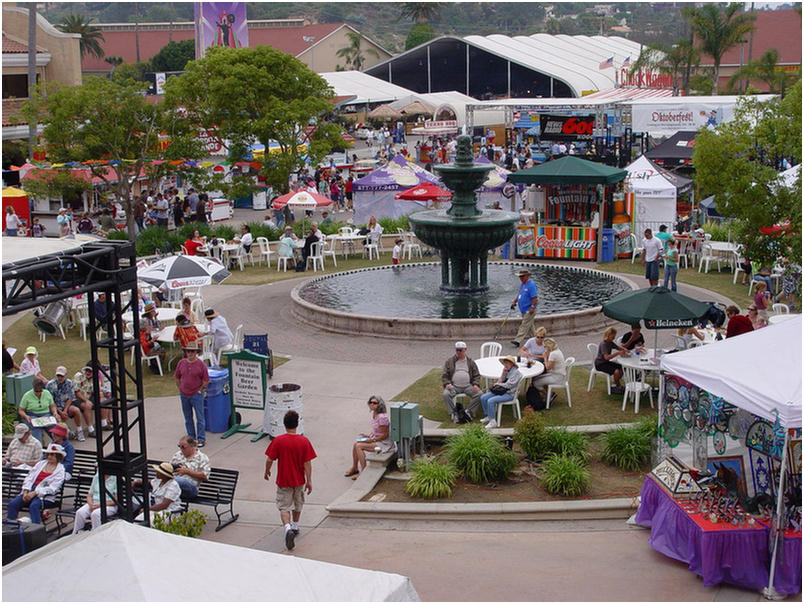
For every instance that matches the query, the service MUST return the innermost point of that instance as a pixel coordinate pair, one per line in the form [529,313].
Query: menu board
[247,379]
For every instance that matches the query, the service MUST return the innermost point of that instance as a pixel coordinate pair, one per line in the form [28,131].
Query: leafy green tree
[738,163]
[719,30]
[173,56]
[419,34]
[104,121]
[766,69]
[250,95]
[91,36]
[129,73]
[353,54]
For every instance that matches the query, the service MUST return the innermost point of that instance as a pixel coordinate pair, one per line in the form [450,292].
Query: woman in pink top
[761,298]
[379,440]
[192,379]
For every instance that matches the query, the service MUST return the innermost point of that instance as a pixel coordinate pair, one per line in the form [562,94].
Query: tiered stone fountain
[464,234]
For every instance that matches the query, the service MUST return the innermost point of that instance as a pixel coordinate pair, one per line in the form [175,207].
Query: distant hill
[639,21]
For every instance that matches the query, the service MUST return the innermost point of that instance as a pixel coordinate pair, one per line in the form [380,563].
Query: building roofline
[41,22]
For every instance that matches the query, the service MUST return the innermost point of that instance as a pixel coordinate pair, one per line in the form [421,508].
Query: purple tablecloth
[732,555]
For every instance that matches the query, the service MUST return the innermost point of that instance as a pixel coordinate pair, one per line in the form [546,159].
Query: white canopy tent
[765,384]
[655,193]
[127,562]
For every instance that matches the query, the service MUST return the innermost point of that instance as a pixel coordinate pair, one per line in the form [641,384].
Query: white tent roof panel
[366,88]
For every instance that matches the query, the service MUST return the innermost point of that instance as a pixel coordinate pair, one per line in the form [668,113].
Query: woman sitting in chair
[40,485]
[503,390]
[687,333]
[186,310]
[555,370]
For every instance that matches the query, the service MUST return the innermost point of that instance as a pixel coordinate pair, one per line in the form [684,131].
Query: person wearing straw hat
[219,329]
[165,492]
[37,402]
[507,386]
[526,299]
[30,364]
[192,378]
[40,485]
[24,451]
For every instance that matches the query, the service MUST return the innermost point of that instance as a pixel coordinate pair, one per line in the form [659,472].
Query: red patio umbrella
[426,191]
[301,199]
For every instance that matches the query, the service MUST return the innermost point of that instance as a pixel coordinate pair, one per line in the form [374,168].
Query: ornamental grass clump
[560,441]
[565,475]
[431,479]
[527,433]
[479,455]
[627,448]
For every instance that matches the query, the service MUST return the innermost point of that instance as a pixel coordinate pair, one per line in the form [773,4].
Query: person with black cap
[460,376]
[526,299]
[219,329]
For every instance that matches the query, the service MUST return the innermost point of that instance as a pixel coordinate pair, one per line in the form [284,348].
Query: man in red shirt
[738,324]
[293,476]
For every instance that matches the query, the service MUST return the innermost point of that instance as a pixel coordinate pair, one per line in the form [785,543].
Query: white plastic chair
[635,249]
[152,357]
[234,346]
[316,255]
[216,251]
[328,250]
[681,343]
[568,363]
[345,230]
[592,348]
[265,251]
[635,385]
[514,404]
[682,252]
[707,256]
[737,268]
[409,246]
[237,256]
[83,318]
[780,309]
[197,308]
[490,349]
[694,343]
[207,353]
[283,261]
[372,245]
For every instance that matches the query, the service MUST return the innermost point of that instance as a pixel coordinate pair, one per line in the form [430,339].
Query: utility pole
[750,47]
[31,73]
[137,30]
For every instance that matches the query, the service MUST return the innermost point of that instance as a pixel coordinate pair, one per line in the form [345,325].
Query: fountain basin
[377,308]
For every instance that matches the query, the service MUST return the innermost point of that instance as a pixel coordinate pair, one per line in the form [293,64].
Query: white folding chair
[707,256]
[681,343]
[265,251]
[236,256]
[207,353]
[568,363]
[490,349]
[635,249]
[737,268]
[372,246]
[780,309]
[316,255]
[152,357]
[283,261]
[682,252]
[328,250]
[635,385]
[234,346]
[514,403]
[592,348]
[83,318]
[409,246]
[197,308]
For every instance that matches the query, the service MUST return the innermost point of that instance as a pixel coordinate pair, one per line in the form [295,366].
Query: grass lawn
[595,407]
[74,352]
[720,282]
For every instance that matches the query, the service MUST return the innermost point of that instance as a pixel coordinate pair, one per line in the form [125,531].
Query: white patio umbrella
[175,272]
[302,199]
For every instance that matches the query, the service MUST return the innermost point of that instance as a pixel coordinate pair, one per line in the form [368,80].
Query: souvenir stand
[734,516]
[575,189]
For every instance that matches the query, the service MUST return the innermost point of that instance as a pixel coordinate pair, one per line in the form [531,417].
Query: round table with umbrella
[301,199]
[180,271]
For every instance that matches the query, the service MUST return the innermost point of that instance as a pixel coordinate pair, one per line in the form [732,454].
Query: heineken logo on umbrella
[668,323]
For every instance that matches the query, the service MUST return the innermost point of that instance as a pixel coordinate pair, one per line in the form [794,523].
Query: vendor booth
[575,192]
[19,200]
[374,193]
[656,195]
[734,515]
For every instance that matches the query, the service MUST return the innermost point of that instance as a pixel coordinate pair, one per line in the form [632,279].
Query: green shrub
[221,231]
[390,225]
[154,237]
[479,455]
[188,524]
[627,448]
[565,475]
[527,433]
[648,426]
[431,479]
[560,441]
[719,231]
[117,235]
[9,416]
[258,229]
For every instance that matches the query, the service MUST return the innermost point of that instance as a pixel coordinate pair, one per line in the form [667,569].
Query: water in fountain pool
[412,291]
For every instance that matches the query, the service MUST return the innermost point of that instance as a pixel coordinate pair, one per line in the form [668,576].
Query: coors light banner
[220,24]
[566,128]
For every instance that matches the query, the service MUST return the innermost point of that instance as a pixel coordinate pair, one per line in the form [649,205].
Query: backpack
[714,315]
[533,398]
[461,414]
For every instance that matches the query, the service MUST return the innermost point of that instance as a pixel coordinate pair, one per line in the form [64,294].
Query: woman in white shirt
[555,369]
[13,222]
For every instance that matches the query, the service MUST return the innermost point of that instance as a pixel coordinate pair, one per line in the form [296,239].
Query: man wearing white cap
[460,376]
[66,404]
[24,451]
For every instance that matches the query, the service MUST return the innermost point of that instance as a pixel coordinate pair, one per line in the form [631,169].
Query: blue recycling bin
[607,246]
[217,406]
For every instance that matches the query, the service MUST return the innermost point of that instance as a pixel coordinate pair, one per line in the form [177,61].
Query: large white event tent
[767,385]
[655,193]
[128,562]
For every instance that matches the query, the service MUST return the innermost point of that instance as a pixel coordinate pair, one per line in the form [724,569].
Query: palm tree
[91,36]
[353,54]
[718,31]
[115,61]
[421,12]
[765,70]
[677,61]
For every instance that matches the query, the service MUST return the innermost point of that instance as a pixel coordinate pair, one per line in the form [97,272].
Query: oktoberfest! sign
[566,128]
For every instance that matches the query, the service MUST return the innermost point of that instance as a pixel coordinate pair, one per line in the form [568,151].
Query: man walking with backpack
[293,476]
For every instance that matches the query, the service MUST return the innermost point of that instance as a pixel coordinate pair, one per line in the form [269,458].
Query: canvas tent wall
[374,193]
[655,194]
[128,562]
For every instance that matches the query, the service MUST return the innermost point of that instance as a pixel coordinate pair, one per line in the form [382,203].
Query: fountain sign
[248,385]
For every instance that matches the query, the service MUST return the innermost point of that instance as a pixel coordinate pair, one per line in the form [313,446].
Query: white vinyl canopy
[654,195]
[759,371]
[127,562]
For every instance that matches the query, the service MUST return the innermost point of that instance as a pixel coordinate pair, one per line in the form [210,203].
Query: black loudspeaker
[19,538]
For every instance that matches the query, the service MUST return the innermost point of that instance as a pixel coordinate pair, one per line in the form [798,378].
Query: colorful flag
[627,62]
[607,63]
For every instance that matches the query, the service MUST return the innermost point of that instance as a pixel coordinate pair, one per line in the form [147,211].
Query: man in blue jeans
[526,299]
[192,378]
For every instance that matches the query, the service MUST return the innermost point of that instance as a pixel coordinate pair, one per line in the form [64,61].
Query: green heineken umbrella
[658,306]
